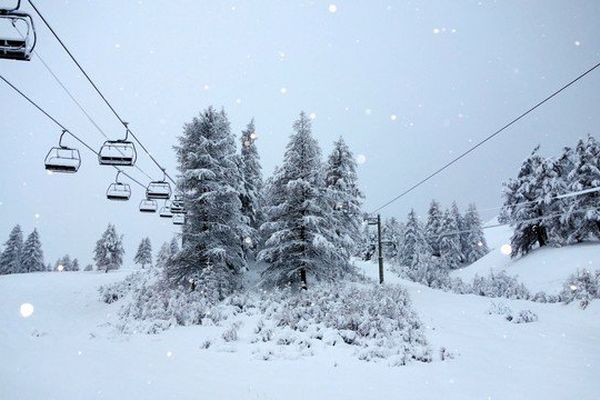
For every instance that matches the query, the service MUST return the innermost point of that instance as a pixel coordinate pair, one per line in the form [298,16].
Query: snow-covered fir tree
[392,234]
[209,181]
[75,265]
[143,256]
[414,244]
[341,182]
[460,223]
[475,245]
[583,213]
[33,257]
[302,239]
[434,227]
[367,246]
[109,251]
[88,268]
[449,242]
[10,259]
[251,194]
[64,264]
[524,205]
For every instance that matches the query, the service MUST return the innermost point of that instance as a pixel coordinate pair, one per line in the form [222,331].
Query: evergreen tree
[434,227]
[524,205]
[251,195]
[75,265]
[341,182]
[144,253]
[460,223]
[414,245]
[582,213]
[209,181]
[109,251]
[302,238]
[64,264]
[10,260]
[368,242]
[476,245]
[449,242]
[391,235]
[33,256]
[88,268]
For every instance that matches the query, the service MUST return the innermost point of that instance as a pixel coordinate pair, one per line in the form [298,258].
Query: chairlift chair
[159,190]
[62,158]
[148,206]
[177,207]
[118,191]
[178,219]
[165,211]
[19,49]
[120,152]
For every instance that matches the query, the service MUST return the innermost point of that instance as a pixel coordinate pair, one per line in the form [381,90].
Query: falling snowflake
[283,90]
[361,159]
[577,43]
[393,117]
[332,8]
[312,115]
[506,249]
[26,310]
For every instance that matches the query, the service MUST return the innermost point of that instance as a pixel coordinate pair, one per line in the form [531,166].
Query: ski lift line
[64,128]
[580,210]
[557,197]
[98,90]
[79,105]
[488,138]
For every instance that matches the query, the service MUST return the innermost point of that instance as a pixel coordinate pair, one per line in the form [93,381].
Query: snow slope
[69,350]
[541,270]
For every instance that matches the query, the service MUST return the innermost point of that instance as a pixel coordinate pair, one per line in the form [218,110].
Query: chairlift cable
[64,128]
[98,90]
[79,105]
[485,140]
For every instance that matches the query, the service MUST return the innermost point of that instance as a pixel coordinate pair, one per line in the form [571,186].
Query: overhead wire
[89,79]
[32,102]
[486,139]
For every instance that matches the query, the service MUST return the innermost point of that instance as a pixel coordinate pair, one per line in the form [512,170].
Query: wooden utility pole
[377,221]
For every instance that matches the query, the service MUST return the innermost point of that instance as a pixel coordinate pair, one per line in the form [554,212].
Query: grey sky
[408,84]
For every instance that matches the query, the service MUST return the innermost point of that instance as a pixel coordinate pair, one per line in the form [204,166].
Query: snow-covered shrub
[231,333]
[115,291]
[446,354]
[583,285]
[499,308]
[499,285]
[524,316]
[430,273]
[378,319]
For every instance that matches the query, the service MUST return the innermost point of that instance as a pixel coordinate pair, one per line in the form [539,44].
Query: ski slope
[544,269]
[69,350]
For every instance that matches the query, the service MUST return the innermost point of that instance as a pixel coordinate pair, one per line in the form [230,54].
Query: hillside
[543,269]
[493,358]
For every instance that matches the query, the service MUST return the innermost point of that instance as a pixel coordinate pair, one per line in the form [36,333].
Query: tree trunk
[541,235]
[303,285]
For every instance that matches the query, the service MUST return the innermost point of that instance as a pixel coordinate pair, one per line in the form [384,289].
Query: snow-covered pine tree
[109,251]
[164,254]
[563,225]
[524,205]
[449,242]
[341,182]
[88,268]
[251,194]
[10,259]
[391,235]
[583,212]
[302,238]
[33,256]
[434,227]
[460,223]
[174,246]
[475,243]
[143,255]
[367,246]
[75,265]
[209,181]
[64,264]
[414,244]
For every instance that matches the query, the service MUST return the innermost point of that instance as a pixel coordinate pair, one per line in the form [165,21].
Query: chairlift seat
[178,219]
[63,159]
[159,190]
[165,212]
[18,48]
[178,207]
[118,153]
[148,206]
[118,191]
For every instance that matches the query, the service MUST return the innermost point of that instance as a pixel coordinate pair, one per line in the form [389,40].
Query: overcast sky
[408,84]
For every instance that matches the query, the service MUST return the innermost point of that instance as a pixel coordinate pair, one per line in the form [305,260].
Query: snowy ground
[69,350]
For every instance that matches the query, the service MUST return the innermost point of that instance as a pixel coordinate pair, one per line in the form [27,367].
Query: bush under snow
[583,285]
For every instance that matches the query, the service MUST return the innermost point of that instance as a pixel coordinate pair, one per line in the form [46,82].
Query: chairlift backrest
[120,152]
[165,212]
[178,219]
[160,190]
[177,207]
[118,191]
